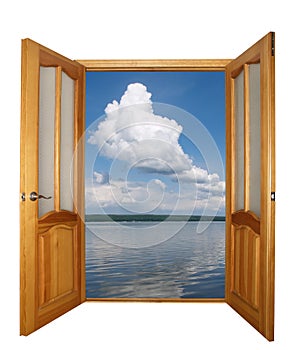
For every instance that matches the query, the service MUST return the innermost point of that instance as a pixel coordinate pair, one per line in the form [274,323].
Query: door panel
[250,182]
[57,267]
[66,140]
[52,231]
[254,138]
[238,82]
[246,265]
[46,137]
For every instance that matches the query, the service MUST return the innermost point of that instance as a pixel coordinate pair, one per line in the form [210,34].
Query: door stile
[78,168]
[230,180]
[29,181]
[267,187]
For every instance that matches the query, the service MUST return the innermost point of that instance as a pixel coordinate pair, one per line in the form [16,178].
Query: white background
[145,29]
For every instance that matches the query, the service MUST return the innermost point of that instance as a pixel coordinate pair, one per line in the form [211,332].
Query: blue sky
[201,95]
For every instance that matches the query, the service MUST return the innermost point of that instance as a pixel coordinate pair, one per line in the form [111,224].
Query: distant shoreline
[149,217]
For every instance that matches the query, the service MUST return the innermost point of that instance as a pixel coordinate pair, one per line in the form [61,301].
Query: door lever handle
[34,196]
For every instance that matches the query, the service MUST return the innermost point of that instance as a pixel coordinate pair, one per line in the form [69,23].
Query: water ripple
[189,265]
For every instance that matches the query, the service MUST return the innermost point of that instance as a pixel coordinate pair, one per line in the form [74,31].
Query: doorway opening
[155,185]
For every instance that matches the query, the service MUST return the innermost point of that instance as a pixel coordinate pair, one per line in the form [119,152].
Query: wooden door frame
[154,65]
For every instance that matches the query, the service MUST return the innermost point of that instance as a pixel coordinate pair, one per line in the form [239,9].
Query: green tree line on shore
[149,217]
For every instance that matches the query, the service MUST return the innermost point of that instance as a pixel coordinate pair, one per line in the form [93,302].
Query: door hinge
[273,196]
[272,43]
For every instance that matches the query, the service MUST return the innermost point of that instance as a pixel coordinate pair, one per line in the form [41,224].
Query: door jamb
[157,65]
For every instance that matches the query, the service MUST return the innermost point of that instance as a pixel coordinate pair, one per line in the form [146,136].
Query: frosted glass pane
[67,141]
[46,138]
[239,140]
[254,108]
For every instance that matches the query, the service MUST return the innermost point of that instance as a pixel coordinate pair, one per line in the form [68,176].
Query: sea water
[121,262]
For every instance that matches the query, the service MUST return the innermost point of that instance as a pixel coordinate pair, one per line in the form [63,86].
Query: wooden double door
[52,180]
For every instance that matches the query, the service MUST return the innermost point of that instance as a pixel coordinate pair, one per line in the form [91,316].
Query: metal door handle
[34,196]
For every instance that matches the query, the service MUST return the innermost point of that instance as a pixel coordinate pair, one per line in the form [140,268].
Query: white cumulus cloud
[131,132]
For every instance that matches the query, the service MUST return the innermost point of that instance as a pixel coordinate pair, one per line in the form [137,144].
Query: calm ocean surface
[187,265]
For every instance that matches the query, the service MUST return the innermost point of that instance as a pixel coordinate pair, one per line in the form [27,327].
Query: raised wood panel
[57,263]
[247,218]
[246,264]
[54,217]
